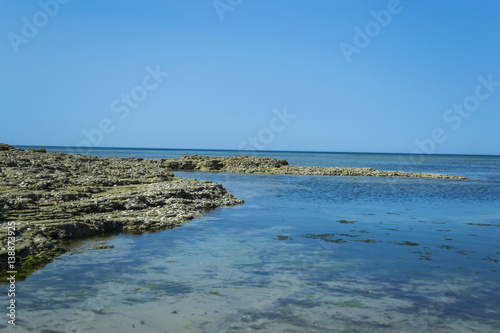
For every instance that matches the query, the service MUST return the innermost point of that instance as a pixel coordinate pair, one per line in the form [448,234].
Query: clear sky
[359,76]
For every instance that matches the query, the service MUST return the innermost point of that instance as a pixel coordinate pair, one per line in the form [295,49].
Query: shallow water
[303,254]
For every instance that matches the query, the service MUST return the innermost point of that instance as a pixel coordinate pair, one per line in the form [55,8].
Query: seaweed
[408,243]
[325,237]
[346,221]
[366,240]
[448,247]
[484,224]
[490,259]
[282,237]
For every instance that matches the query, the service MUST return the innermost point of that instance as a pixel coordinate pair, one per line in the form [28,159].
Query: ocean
[302,254]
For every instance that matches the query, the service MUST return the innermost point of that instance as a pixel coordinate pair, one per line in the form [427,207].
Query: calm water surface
[303,254]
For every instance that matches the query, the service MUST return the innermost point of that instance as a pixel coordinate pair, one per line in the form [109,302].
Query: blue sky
[359,76]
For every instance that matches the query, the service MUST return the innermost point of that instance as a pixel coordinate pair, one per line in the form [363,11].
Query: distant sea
[302,254]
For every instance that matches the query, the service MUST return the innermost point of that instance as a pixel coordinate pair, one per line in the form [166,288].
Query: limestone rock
[52,197]
[253,164]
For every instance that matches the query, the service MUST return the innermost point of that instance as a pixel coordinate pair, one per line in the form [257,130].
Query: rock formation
[53,197]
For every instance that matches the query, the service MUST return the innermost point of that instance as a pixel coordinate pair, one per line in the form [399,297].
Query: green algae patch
[29,265]
[32,262]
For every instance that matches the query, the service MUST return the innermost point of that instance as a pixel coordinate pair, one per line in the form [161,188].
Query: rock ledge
[54,197]
[252,164]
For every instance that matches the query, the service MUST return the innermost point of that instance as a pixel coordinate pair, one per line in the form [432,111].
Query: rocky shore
[55,197]
[251,164]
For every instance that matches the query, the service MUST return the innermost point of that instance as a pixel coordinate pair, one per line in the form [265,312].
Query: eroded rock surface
[252,164]
[52,197]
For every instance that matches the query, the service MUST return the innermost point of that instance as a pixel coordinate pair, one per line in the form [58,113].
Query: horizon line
[254,151]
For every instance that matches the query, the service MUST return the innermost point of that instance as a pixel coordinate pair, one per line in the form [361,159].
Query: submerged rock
[103,247]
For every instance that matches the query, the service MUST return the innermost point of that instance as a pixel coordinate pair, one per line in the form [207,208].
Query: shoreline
[51,198]
[278,166]
[55,197]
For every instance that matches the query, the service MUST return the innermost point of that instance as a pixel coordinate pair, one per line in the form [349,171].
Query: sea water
[302,254]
